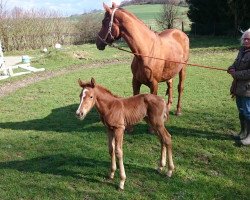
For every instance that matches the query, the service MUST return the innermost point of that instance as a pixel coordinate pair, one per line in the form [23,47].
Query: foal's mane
[105,90]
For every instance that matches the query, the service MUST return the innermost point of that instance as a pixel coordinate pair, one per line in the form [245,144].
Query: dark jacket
[241,82]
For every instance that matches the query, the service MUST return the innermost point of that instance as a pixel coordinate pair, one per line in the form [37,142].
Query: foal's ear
[114,5]
[80,83]
[107,8]
[92,82]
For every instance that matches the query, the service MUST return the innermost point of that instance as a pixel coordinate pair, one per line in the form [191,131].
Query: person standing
[240,89]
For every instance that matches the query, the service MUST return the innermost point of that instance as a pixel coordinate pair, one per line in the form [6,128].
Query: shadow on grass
[63,120]
[59,120]
[91,170]
[57,165]
[78,167]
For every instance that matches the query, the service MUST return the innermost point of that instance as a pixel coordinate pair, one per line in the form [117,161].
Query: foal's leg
[111,141]
[119,132]
[182,76]
[163,156]
[169,92]
[166,144]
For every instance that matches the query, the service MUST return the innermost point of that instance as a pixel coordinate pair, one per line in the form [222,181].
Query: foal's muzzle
[80,115]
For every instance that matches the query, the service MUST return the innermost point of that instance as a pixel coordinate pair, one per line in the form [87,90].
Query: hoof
[120,189]
[109,179]
[160,169]
[178,113]
[169,173]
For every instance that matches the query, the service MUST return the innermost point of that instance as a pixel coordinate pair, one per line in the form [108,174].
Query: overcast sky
[67,7]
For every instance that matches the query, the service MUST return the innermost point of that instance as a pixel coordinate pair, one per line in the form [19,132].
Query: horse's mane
[133,16]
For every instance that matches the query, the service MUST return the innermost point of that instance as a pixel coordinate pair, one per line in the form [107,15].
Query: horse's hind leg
[169,92]
[182,76]
[162,162]
[166,142]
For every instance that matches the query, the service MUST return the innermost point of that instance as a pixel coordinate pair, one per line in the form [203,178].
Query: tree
[170,13]
[240,11]
[218,17]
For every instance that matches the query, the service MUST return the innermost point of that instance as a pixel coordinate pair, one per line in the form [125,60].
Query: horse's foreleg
[136,90]
[111,141]
[169,92]
[154,87]
[119,132]
[182,75]
[136,86]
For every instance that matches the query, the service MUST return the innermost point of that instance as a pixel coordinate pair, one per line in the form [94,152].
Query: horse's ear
[107,8]
[92,82]
[114,5]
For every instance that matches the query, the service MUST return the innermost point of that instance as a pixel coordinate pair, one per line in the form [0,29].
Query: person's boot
[243,128]
[246,141]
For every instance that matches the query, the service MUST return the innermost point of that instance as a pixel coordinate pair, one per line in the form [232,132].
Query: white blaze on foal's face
[86,103]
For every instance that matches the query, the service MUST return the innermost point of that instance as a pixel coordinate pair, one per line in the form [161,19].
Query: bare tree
[169,14]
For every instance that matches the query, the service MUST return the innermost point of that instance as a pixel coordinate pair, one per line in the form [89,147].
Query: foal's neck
[104,98]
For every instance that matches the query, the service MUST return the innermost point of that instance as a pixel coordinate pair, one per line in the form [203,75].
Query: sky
[67,7]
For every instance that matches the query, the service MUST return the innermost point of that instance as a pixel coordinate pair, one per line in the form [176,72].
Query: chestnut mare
[169,45]
[116,113]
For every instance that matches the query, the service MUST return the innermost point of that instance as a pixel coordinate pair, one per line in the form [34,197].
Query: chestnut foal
[116,113]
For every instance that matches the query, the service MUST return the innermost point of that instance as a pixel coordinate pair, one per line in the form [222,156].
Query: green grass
[46,153]
[149,13]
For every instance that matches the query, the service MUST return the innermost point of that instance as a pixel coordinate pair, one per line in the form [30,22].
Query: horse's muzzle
[100,46]
[100,43]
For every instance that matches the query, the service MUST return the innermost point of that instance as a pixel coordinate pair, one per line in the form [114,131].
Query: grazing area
[47,153]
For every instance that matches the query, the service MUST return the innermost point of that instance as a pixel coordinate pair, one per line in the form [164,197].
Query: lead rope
[138,54]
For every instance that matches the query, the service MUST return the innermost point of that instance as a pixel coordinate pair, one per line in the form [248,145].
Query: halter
[110,28]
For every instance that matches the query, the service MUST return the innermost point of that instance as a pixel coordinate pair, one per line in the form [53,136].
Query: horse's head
[87,98]
[110,30]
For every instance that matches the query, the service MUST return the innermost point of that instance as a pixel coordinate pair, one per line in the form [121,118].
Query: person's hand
[231,71]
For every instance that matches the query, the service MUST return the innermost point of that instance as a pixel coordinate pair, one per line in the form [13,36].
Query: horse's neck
[137,35]
[103,99]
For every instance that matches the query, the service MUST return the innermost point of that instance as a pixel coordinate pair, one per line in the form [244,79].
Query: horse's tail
[186,49]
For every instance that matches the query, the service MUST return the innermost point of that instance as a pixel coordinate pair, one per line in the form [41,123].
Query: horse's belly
[171,71]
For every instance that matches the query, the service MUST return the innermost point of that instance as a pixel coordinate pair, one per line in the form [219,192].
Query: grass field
[46,153]
[149,14]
